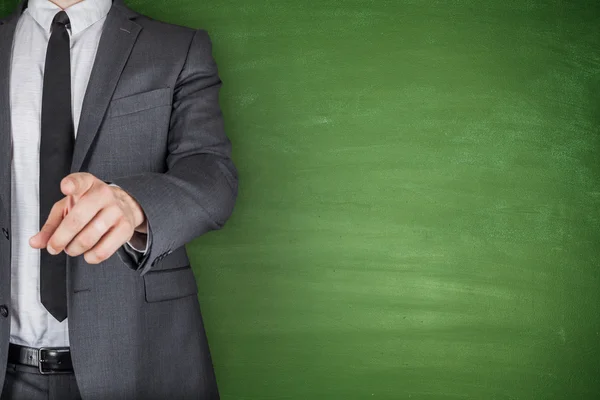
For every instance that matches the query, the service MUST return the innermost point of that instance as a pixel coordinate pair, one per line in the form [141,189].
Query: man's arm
[198,192]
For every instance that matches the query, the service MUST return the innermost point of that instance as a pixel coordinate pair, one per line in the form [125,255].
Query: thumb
[77,184]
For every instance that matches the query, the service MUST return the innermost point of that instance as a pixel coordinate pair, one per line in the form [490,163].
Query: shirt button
[4,311]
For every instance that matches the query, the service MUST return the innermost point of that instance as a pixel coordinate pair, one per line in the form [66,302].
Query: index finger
[57,214]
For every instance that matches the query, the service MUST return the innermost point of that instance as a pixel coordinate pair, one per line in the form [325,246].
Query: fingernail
[51,250]
[69,185]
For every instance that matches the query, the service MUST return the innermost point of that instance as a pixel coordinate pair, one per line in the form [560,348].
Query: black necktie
[56,154]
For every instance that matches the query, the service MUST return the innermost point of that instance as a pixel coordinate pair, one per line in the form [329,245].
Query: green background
[419,205]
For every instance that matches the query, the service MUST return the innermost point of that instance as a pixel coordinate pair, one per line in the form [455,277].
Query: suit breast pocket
[134,132]
[138,102]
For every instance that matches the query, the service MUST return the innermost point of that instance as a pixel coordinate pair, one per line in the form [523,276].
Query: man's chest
[27,76]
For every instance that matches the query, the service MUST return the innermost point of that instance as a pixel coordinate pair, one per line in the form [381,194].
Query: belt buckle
[41,360]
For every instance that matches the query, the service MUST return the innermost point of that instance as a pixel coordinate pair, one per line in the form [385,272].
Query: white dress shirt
[31,324]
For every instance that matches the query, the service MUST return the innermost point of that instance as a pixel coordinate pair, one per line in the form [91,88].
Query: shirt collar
[81,15]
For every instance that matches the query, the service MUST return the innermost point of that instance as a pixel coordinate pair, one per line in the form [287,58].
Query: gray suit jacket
[151,123]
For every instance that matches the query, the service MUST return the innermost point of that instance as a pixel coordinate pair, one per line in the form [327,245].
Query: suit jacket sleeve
[198,191]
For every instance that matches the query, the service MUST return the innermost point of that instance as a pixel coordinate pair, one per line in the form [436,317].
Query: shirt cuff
[140,241]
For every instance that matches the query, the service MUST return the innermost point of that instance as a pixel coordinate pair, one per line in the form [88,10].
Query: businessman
[113,156]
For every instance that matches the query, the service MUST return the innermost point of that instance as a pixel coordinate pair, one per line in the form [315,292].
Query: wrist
[139,217]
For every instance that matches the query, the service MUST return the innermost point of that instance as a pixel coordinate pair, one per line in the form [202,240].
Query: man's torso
[31,324]
[131,336]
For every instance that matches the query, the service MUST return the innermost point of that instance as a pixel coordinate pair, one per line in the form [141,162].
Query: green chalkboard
[419,208]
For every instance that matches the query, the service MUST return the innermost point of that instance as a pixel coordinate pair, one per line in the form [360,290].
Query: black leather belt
[48,360]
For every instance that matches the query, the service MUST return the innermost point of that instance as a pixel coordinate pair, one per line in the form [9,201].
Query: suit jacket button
[4,311]
[5,233]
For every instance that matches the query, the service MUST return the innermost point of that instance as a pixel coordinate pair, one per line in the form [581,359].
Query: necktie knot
[61,18]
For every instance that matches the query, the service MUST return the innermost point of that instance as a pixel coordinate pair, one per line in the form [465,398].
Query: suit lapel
[115,46]
[7,32]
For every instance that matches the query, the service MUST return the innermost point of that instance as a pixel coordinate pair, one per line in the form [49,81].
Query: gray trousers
[26,383]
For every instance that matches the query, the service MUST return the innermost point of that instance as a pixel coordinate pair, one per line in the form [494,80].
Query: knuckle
[105,190]
[85,242]
[120,218]
[117,211]
[100,255]
[124,230]
[47,228]
[56,206]
[100,225]
[72,250]
[127,223]
[73,220]
[55,242]
[90,257]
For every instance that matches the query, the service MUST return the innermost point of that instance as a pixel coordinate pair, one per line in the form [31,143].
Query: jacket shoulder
[168,31]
